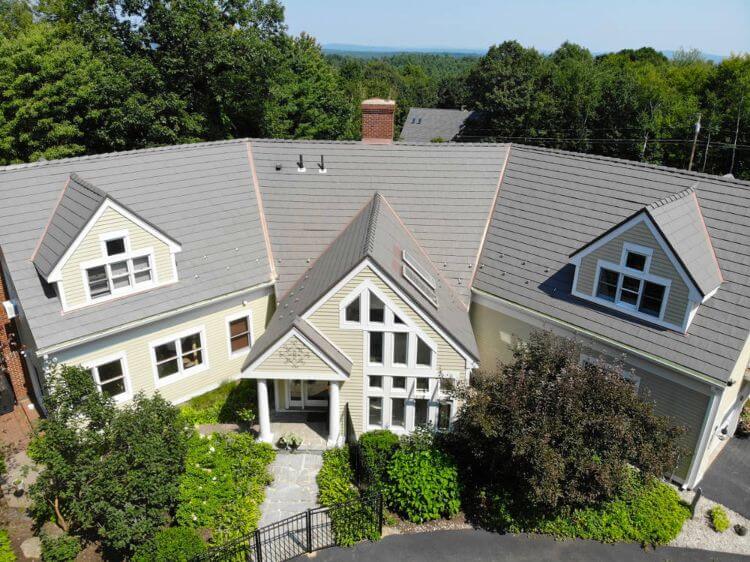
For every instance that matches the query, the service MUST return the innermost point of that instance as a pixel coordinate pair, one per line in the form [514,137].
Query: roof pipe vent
[322,165]
[301,164]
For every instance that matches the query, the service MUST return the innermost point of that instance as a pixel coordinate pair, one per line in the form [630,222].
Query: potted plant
[290,441]
[741,530]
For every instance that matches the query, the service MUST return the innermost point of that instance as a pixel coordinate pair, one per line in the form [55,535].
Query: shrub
[422,483]
[224,484]
[108,471]
[173,544]
[232,402]
[743,426]
[649,512]
[64,548]
[719,519]
[376,449]
[335,478]
[6,550]
[555,433]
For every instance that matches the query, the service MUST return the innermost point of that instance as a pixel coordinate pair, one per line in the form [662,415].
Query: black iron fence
[311,530]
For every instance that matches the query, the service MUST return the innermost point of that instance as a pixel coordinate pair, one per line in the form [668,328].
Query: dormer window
[120,270]
[115,246]
[635,261]
[631,292]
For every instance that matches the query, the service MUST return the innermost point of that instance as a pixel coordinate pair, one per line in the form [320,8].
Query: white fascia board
[56,273]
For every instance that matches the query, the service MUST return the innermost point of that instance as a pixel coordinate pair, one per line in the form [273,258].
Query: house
[355,279]
[436,125]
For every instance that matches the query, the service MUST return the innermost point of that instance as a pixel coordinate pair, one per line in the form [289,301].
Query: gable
[611,250]
[90,251]
[298,359]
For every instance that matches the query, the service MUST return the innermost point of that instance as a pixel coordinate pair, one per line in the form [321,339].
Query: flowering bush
[224,484]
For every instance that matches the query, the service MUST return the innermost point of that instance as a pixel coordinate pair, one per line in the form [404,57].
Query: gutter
[149,320]
[653,358]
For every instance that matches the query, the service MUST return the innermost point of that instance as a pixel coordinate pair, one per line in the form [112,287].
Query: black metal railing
[314,529]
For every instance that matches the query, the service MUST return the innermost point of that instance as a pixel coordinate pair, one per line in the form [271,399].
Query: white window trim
[624,307]
[369,362]
[113,235]
[107,262]
[121,356]
[237,316]
[629,247]
[181,373]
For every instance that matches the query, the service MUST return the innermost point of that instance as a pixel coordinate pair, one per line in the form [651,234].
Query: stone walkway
[294,488]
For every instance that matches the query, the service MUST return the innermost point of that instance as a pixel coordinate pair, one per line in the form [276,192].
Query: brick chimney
[377,121]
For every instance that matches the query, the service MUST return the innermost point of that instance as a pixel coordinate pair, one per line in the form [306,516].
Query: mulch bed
[407,527]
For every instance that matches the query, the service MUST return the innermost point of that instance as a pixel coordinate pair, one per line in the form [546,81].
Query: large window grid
[179,356]
[120,271]
[110,376]
[403,403]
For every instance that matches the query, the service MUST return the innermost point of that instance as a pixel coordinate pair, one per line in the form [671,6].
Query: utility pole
[736,133]
[695,141]
[705,152]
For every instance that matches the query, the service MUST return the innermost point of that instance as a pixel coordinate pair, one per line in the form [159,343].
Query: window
[607,288]
[652,299]
[352,311]
[444,416]
[115,246]
[423,384]
[400,348]
[376,381]
[118,276]
[398,383]
[376,411]
[635,261]
[376,347]
[110,378]
[377,309]
[424,353]
[397,319]
[239,334]
[631,287]
[421,412]
[178,356]
[398,412]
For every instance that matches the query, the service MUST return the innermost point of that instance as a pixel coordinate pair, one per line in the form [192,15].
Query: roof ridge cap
[372,223]
[671,197]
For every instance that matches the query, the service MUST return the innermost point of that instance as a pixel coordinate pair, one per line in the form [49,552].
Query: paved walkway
[470,545]
[727,481]
[294,488]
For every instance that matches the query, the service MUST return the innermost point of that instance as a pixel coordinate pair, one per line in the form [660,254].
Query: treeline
[89,77]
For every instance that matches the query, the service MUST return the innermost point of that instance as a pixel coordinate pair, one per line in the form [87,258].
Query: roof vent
[301,164]
[322,165]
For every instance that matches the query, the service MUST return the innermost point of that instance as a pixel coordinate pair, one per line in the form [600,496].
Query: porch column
[264,416]
[333,414]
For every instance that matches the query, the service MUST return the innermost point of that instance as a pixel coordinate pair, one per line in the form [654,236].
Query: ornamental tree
[107,472]
[550,432]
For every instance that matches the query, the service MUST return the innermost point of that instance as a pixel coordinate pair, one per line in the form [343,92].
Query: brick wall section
[377,121]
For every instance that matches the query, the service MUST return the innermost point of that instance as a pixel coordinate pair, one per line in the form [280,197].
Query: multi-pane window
[375,414]
[424,353]
[400,348]
[239,334]
[398,412]
[352,311]
[118,276]
[110,378]
[630,290]
[652,298]
[179,355]
[376,347]
[608,281]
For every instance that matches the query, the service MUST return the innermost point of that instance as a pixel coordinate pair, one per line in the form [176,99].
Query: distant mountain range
[366,51]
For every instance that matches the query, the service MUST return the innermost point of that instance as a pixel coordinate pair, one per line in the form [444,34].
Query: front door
[307,394]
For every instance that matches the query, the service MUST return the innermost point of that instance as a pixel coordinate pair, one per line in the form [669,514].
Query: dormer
[96,249]
[658,265]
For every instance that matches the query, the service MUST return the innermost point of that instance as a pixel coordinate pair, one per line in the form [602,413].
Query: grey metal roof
[201,194]
[341,360]
[424,124]
[378,233]
[680,220]
[79,202]
[442,192]
[552,202]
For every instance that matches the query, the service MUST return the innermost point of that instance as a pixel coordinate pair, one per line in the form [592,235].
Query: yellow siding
[640,234]
[91,249]
[351,342]
[135,344]
[294,356]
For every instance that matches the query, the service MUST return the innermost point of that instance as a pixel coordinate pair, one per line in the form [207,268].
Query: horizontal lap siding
[305,360]
[351,342]
[686,407]
[660,265]
[136,346]
[91,249]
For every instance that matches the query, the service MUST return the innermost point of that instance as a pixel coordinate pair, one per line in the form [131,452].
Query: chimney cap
[378,101]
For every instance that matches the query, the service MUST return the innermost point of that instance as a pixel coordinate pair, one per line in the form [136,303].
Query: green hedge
[649,513]
[336,478]
[224,484]
[232,402]
[376,448]
[174,544]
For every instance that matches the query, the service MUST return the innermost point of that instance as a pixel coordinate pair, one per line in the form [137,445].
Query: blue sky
[713,26]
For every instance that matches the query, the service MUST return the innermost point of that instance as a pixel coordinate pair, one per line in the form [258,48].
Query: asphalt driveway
[727,480]
[470,545]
